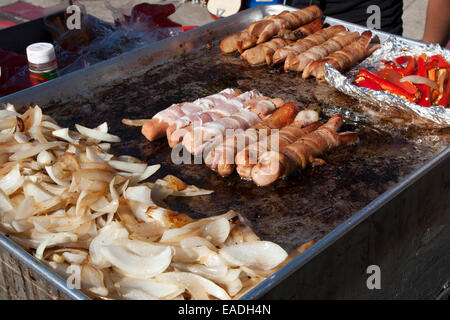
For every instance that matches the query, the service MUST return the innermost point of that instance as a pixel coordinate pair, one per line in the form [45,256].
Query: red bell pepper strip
[389,64]
[387,85]
[410,67]
[430,64]
[439,61]
[425,91]
[367,83]
[395,77]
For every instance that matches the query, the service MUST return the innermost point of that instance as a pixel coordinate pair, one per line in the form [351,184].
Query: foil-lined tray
[393,47]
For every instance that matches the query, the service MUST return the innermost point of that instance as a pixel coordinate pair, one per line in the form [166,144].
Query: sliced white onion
[105,147]
[192,242]
[34,150]
[96,134]
[128,158]
[128,166]
[25,209]
[178,234]
[45,158]
[12,181]
[49,124]
[75,256]
[5,203]
[8,123]
[134,122]
[21,225]
[135,294]
[79,208]
[37,116]
[106,235]
[103,206]
[190,281]
[6,114]
[54,239]
[102,128]
[92,279]
[196,290]
[262,255]
[192,191]
[139,193]
[53,188]
[420,80]
[7,136]
[58,181]
[31,189]
[64,134]
[92,156]
[190,255]
[149,171]
[154,288]
[137,258]
[207,272]
[35,128]
[10,107]
[228,278]
[217,231]
[233,287]
[21,137]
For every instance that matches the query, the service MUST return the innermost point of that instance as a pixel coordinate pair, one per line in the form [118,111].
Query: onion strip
[420,80]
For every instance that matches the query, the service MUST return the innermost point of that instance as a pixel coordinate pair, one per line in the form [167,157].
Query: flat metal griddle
[307,205]
[318,203]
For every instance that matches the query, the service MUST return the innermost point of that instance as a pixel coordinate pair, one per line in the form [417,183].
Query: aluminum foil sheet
[436,116]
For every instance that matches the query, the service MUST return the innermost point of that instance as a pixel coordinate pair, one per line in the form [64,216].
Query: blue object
[254,3]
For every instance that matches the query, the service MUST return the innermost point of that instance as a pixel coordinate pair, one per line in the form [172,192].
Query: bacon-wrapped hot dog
[229,44]
[320,51]
[221,158]
[180,127]
[267,28]
[304,44]
[305,122]
[247,41]
[343,59]
[302,31]
[156,127]
[204,137]
[273,165]
[264,52]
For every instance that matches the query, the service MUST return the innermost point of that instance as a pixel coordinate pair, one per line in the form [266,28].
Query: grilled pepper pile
[421,79]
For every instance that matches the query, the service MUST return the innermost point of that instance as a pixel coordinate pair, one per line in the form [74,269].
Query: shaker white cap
[41,52]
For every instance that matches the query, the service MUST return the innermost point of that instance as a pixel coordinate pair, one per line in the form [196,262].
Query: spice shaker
[42,62]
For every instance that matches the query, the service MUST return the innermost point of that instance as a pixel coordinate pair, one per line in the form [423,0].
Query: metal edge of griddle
[296,263]
[110,70]
[39,268]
